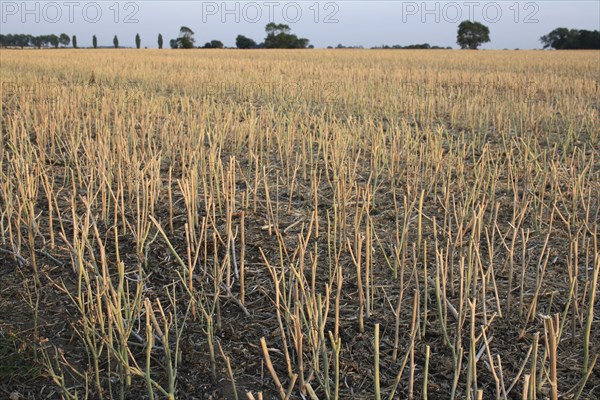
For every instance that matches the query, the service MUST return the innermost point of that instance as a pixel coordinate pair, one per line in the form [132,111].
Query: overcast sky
[513,24]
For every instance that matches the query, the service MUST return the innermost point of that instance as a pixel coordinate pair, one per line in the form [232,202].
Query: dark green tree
[214,44]
[64,39]
[95,42]
[571,39]
[279,37]
[472,34]
[116,42]
[301,43]
[275,29]
[16,40]
[243,42]
[185,40]
[558,38]
[24,40]
[74,40]
[138,41]
[160,41]
[589,39]
[54,40]
[37,41]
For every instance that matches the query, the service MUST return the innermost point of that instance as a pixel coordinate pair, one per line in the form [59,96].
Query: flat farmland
[319,224]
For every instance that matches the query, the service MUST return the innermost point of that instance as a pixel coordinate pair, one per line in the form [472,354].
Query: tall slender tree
[138,41]
[74,41]
[95,42]
[160,41]
[116,42]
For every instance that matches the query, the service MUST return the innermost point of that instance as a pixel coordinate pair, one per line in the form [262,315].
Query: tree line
[279,36]
[24,40]
[471,35]
[64,40]
[424,46]
[571,39]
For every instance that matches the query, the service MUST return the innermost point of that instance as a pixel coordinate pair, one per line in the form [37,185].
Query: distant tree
[185,40]
[279,37]
[74,41]
[301,43]
[37,41]
[424,46]
[95,42]
[589,39]
[18,40]
[54,40]
[570,39]
[558,39]
[243,42]
[116,42]
[275,29]
[64,39]
[23,40]
[213,44]
[341,46]
[50,40]
[138,41]
[160,41]
[472,34]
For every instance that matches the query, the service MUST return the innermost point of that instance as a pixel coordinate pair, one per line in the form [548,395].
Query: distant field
[319,224]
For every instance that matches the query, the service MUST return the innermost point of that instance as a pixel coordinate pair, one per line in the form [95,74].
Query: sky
[512,24]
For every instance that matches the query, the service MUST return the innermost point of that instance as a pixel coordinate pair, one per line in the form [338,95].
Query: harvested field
[299,224]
